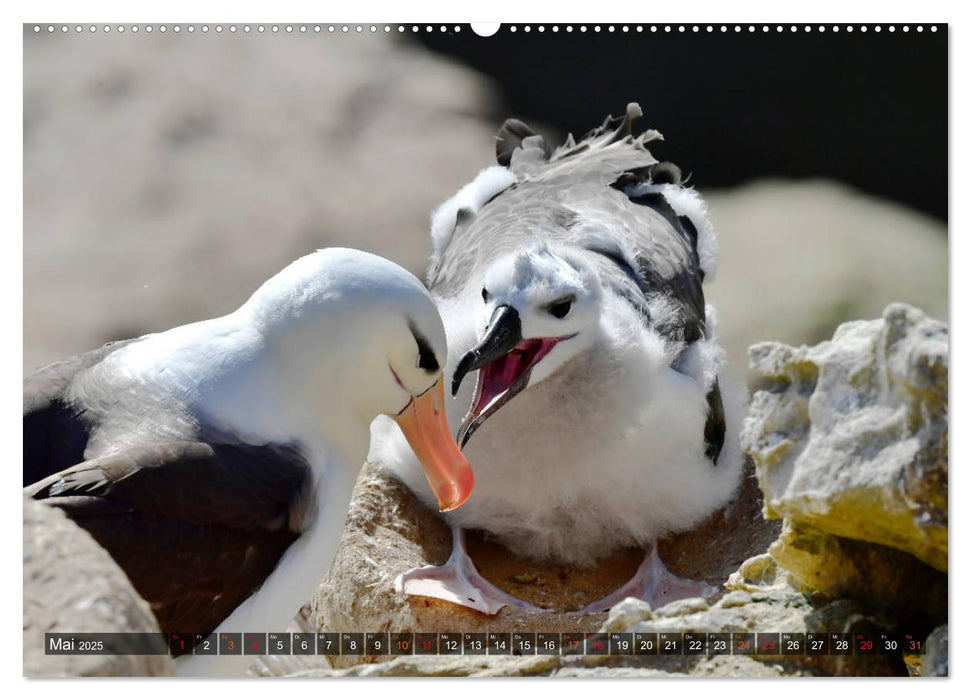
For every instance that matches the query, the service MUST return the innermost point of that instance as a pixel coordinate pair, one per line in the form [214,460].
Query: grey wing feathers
[55,435]
[237,485]
[48,383]
[196,527]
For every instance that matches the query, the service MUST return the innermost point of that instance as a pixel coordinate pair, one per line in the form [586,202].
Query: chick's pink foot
[458,581]
[654,584]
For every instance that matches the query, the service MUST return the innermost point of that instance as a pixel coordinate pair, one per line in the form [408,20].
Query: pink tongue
[500,374]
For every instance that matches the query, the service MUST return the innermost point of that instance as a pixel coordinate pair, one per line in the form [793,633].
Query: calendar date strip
[486,643]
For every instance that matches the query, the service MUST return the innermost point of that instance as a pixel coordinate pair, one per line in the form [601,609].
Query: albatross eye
[427,361]
[426,356]
[561,307]
[485,295]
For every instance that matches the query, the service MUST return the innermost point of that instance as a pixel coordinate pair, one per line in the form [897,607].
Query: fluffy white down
[607,453]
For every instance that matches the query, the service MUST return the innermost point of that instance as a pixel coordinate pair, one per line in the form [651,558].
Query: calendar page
[516,349]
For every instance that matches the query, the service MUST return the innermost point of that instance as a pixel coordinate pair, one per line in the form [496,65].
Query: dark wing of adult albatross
[228,541]
[196,525]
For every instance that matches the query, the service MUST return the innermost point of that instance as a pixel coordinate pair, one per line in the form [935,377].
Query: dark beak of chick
[505,332]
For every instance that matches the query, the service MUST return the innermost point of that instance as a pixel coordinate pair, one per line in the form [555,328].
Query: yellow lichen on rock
[851,439]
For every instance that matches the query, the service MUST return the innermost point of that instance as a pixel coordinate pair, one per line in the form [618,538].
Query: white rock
[852,438]
[71,584]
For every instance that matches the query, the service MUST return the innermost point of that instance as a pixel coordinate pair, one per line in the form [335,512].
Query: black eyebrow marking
[426,356]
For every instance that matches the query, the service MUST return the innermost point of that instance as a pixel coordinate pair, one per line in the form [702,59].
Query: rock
[736,599]
[799,257]
[686,606]
[935,653]
[851,439]
[290,664]
[451,666]
[388,532]
[760,573]
[72,585]
[562,667]
[850,448]
[838,566]
[775,609]
[179,174]
[778,611]
[627,613]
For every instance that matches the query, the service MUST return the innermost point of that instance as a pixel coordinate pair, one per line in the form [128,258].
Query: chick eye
[485,295]
[561,307]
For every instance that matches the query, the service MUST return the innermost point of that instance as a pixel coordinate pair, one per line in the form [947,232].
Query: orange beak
[426,428]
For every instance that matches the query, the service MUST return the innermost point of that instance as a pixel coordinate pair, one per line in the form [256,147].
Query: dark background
[869,109]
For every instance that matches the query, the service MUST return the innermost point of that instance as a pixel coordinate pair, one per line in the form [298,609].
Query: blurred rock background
[167,175]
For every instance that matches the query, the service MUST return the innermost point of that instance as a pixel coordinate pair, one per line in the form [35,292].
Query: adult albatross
[215,461]
[570,283]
